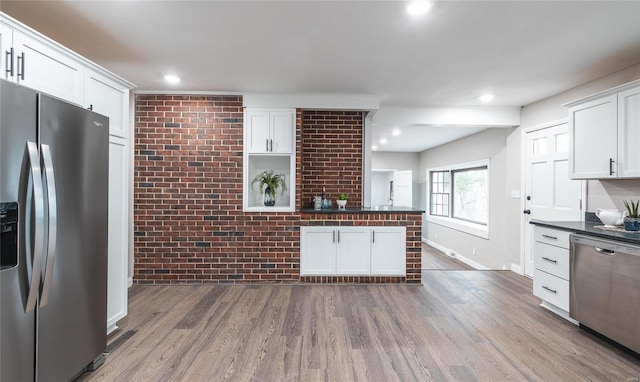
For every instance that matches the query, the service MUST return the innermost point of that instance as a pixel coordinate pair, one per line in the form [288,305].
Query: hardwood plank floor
[435,259]
[458,326]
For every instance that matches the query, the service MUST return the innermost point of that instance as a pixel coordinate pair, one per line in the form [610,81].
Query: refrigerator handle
[53,223]
[34,189]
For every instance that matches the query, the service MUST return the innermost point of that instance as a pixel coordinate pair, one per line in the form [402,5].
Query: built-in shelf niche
[280,164]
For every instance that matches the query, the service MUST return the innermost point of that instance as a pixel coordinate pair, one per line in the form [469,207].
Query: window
[459,197]
[440,188]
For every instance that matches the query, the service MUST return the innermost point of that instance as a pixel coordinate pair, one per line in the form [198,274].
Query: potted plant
[342,201]
[632,218]
[270,183]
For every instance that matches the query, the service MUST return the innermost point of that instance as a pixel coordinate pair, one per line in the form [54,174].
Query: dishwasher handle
[604,251]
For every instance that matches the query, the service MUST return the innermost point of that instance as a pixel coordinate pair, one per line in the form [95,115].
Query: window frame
[463,225]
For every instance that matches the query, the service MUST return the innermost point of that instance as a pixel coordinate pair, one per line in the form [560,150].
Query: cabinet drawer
[551,288]
[551,236]
[551,259]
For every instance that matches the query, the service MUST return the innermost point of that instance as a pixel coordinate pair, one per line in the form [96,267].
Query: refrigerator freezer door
[72,324]
[17,329]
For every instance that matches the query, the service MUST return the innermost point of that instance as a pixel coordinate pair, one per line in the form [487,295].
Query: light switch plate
[515,194]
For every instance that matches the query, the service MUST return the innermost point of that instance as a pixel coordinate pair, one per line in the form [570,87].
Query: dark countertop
[365,210]
[587,227]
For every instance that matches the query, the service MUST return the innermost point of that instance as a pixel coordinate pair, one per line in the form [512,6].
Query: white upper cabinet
[6,45]
[109,98]
[605,131]
[45,69]
[629,133]
[270,131]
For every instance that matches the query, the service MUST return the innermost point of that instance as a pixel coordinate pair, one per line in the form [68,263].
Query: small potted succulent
[270,183]
[632,216]
[342,201]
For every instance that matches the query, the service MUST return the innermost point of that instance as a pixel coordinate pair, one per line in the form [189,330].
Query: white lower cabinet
[551,273]
[353,247]
[317,250]
[354,251]
[388,251]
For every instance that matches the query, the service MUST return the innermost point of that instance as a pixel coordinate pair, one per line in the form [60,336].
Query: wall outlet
[435,235]
[474,251]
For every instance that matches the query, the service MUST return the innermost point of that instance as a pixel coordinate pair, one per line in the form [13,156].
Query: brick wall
[332,155]
[189,224]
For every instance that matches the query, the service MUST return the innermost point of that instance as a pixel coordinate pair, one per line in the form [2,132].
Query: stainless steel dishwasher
[605,288]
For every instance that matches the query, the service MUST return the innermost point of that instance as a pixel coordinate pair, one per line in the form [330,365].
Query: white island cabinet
[352,251]
[604,132]
[33,60]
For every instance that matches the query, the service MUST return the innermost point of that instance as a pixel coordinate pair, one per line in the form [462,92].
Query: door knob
[527,211]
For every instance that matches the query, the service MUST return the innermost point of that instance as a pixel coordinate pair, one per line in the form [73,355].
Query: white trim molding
[455,255]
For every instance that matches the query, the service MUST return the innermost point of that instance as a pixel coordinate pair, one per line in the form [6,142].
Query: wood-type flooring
[458,326]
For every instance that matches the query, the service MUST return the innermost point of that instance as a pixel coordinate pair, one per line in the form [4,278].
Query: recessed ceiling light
[486,97]
[170,78]
[383,141]
[374,147]
[417,8]
[396,132]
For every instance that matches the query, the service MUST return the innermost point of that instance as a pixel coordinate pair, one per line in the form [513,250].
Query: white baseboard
[517,269]
[129,282]
[560,312]
[454,255]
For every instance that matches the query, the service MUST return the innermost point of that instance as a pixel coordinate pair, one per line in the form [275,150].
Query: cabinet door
[354,248]
[593,126]
[44,69]
[118,257]
[108,98]
[282,127]
[388,251]
[7,60]
[317,251]
[257,131]
[629,133]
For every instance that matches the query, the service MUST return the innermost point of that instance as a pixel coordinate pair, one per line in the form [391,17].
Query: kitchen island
[361,245]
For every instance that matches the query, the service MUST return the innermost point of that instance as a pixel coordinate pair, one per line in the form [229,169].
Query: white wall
[600,194]
[489,144]
[381,160]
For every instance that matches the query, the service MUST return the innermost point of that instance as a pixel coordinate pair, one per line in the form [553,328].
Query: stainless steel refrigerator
[54,162]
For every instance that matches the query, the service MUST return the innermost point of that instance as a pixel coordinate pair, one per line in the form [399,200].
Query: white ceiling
[521,51]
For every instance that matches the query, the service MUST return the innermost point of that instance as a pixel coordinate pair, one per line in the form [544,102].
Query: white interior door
[549,192]
[402,188]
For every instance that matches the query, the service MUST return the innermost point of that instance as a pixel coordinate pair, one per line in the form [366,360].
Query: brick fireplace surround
[189,223]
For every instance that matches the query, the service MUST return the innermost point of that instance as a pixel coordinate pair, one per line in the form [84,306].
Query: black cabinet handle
[550,260]
[550,237]
[550,290]
[21,66]
[611,162]
[527,212]
[271,141]
[9,62]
